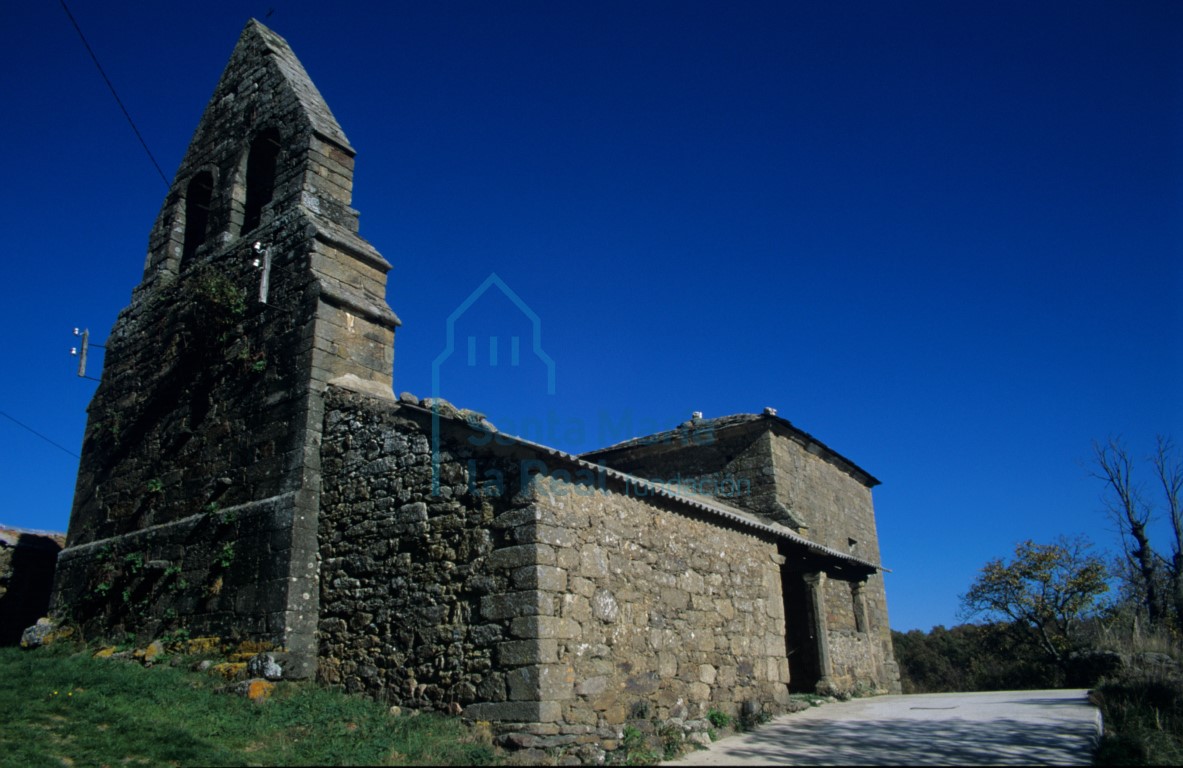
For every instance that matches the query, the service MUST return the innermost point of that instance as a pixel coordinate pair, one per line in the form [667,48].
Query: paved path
[998,728]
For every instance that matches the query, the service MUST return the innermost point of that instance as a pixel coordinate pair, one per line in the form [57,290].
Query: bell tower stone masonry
[198,490]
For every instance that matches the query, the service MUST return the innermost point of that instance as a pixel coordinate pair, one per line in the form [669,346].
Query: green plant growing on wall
[213,290]
[719,718]
[110,426]
[172,575]
[155,485]
[672,739]
[134,562]
[218,305]
[225,556]
[635,748]
[174,637]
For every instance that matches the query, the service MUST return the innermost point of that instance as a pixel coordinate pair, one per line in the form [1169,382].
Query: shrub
[1143,716]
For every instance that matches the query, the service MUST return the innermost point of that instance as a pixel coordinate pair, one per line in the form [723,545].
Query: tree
[1048,589]
[1132,512]
[1169,470]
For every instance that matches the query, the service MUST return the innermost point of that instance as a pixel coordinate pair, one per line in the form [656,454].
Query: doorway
[801,641]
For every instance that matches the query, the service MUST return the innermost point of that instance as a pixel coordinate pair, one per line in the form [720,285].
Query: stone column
[859,599]
[816,583]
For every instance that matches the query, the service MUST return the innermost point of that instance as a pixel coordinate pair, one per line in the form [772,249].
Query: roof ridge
[711,505]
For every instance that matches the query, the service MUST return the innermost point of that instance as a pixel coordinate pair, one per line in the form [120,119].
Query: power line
[38,434]
[118,101]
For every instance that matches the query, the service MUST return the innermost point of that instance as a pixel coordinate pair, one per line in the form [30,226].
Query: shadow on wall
[27,561]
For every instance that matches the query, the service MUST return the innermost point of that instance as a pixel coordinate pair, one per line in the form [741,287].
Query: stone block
[517,653]
[576,715]
[581,586]
[567,559]
[541,682]
[593,562]
[553,535]
[514,604]
[516,517]
[509,558]
[544,577]
[674,599]
[545,626]
[515,711]
[604,606]
[692,582]
[577,608]
[593,686]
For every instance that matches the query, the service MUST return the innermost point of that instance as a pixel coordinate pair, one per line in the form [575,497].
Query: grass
[1143,716]
[61,707]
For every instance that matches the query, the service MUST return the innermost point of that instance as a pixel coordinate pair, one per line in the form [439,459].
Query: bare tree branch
[1169,469]
[1132,515]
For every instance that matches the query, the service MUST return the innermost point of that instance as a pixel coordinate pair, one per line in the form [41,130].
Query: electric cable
[118,101]
[38,434]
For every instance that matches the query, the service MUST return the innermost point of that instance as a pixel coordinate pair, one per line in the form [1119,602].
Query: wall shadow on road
[899,741]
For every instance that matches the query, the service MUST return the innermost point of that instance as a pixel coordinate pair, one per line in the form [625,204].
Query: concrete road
[1004,728]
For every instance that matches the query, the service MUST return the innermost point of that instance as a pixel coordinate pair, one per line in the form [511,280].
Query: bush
[718,718]
[972,657]
[1143,716]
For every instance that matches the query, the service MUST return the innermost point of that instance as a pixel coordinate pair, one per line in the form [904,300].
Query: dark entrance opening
[801,641]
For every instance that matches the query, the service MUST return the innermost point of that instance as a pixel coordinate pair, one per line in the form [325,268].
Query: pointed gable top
[267,147]
[257,34]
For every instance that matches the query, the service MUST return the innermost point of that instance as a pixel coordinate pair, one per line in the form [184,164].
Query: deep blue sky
[942,237]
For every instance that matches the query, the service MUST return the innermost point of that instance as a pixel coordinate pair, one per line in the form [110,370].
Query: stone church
[247,472]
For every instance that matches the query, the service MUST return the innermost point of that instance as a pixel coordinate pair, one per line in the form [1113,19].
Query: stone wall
[419,591]
[224,573]
[840,514]
[532,590]
[657,606]
[765,465]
